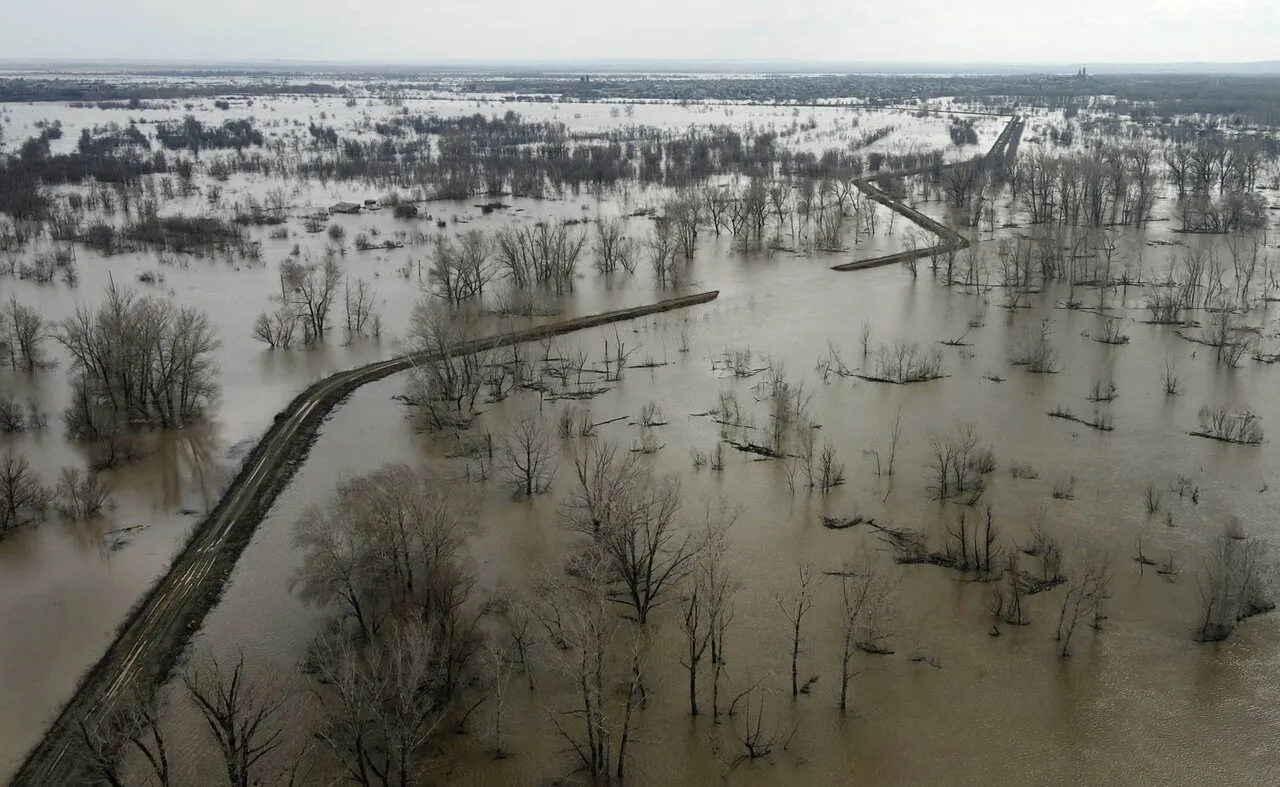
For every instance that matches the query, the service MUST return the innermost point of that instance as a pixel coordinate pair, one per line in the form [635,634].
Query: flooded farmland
[950,693]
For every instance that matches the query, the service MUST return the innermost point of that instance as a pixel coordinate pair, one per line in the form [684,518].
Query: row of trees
[1104,185]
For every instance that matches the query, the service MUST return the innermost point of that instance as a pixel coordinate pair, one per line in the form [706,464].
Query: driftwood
[839,523]
[1099,424]
[1222,439]
[754,448]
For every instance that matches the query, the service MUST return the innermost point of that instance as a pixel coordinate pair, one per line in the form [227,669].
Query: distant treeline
[1248,98]
[112,155]
[464,156]
[93,90]
[1161,96]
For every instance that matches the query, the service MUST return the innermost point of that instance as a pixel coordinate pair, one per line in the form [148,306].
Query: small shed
[345,207]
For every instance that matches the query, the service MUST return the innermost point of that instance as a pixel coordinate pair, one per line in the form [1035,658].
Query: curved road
[1002,151]
[156,631]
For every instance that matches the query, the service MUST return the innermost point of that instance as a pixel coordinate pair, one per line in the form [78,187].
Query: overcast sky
[380,31]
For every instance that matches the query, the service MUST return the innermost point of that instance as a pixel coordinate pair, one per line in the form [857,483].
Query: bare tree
[385,554]
[1169,378]
[527,453]
[500,664]
[313,290]
[662,253]
[276,329]
[704,608]
[757,740]
[716,203]
[576,611]
[830,469]
[629,515]
[135,720]
[1036,352]
[794,608]
[604,478]
[684,214]
[387,544]
[447,376]
[138,359]
[461,267]
[382,703]
[244,719]
[1233,584]
[1015,592]
[22,333]
[1086,593]
[23,496]
[542,255]
[362,314]
[864,338]
[896,438]
[951,471]
[865,611]
[81,495]
[610,246]
[719,586]
[696,627]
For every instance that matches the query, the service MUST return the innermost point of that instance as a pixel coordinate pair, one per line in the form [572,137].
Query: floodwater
[1138,703]
[93,573]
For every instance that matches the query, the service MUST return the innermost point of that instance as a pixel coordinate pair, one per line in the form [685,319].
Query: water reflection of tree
[185,464]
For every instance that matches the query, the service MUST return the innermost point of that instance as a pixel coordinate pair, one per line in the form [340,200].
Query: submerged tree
[527,453]
[385,556]
[22,335]
[138,359]
[629,516]
[705,606]
[449,372]
[382,702]
[1233,584]
[245,719]
[866,609]
[24,497]
[576,611]
[795,607]
[312,289]
[1086,593]
[388,544]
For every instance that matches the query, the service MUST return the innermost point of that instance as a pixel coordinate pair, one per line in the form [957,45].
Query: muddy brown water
[1138,703]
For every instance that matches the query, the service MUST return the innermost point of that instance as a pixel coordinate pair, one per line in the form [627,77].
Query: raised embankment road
[949,240]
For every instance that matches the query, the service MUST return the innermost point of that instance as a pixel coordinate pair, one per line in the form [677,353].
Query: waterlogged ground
[1139,702]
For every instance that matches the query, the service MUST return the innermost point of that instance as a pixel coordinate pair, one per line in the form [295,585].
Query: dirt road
[157,630]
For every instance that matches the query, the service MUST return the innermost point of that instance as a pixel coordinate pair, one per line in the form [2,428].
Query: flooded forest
[392,428]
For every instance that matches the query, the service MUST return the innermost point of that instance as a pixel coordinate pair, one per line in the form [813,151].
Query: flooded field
[1138,696]
[960,696]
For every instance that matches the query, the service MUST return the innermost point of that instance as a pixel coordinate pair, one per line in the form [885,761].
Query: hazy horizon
[316,67]
[369,32]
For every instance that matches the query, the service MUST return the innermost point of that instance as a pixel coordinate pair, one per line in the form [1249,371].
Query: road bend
[1001,153]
